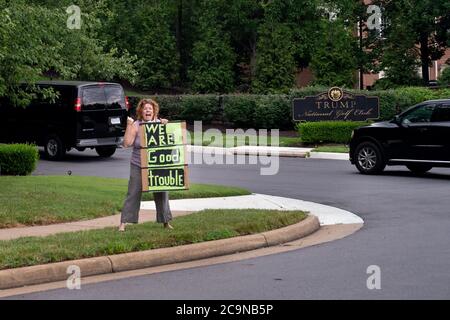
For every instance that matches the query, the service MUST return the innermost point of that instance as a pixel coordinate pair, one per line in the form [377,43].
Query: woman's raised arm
[130,133]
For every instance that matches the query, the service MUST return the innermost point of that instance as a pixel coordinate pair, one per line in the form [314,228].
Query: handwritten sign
[163,161]
[336,104]
[157,134]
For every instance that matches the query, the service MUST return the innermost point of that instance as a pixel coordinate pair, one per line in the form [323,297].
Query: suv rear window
[103,97]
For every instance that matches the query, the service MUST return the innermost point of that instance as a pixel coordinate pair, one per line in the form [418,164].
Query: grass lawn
[243,140]
[338,149]
[41,200]
[200,226]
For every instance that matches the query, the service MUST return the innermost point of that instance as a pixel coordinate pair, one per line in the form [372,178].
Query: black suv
[418,138]
[84,115]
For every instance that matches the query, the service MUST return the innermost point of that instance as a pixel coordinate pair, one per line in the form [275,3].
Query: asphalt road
[406,234]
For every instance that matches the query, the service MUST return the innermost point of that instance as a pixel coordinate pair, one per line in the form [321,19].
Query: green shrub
[444,79]
[18,159]
[307,91]
[273,112]
[200,108]
[183,107]
[442,93]
[327,131]
[240,110]
[170,106]
[389,104]
[258,111]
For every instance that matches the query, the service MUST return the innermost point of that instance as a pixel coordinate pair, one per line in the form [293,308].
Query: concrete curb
[270,151]
[252,151]
[329,155]
[279,154]
[19,277]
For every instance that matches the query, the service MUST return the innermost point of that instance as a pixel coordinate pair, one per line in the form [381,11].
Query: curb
[291,154]
[252,151]
[329,155]
[26,276]
[270,151]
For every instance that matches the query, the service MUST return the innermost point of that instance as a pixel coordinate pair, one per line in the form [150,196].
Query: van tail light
[77,106]
[127,103]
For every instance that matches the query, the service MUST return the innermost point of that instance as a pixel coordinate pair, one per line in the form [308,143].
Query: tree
[420,27]
[213,58]
[242,20]
[145,29]
[334,58]
[336,54]
[275,64]
[156,46]
[284,44]
[46,44]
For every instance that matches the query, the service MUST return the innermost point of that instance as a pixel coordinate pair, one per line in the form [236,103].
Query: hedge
[18,159]
[257,111]
[327,131]
[275,111]
[184,107]
[239,110]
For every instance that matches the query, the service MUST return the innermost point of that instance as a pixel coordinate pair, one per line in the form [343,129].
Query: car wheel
[54,148]
[105,152]
[419,168]
[369,159]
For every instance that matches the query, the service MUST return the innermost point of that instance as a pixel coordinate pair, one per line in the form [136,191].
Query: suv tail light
[127,103]
[77,106]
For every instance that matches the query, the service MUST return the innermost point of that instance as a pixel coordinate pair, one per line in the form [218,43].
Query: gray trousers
[132,204]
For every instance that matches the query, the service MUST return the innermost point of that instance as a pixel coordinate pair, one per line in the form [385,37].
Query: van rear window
[94,98]
[103,97]
[115,97]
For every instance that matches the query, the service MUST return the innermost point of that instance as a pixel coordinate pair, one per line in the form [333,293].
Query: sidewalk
[319,216]
[327,215]
[100,223]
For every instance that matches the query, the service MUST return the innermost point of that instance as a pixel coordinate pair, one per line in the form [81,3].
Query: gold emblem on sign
[335,94]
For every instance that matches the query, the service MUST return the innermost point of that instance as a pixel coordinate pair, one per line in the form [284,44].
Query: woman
[147,111]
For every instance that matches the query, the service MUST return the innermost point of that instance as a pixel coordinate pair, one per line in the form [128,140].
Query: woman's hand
[130,121]
[164,121]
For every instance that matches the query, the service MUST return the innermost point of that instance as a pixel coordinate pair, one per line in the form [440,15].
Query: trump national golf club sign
[336,104]
[163,161]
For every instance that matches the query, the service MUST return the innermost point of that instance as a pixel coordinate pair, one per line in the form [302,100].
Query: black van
[84,115]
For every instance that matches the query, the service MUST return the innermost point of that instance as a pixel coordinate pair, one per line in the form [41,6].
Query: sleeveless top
[136,154]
